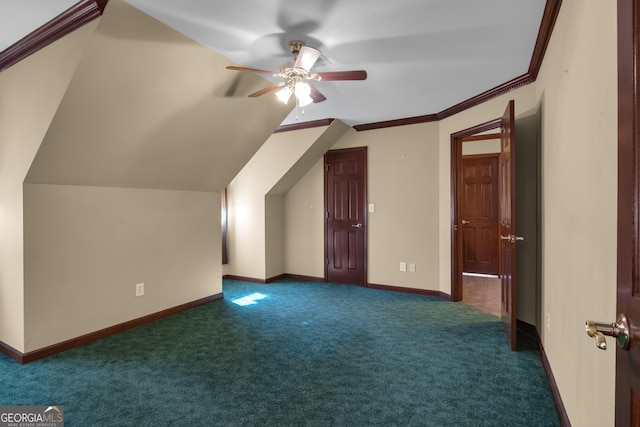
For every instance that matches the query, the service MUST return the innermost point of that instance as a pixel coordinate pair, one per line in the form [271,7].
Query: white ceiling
[421,56]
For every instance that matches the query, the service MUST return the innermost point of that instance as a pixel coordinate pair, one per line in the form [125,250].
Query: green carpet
[306,354]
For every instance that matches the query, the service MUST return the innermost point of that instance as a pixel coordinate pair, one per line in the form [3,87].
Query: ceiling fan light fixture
[304,101]
[284,94]
[302,91]
[296,73]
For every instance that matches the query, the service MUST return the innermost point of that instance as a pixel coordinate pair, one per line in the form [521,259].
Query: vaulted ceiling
[423,57]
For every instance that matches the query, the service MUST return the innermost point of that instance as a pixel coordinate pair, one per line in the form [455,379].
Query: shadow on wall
[528,216]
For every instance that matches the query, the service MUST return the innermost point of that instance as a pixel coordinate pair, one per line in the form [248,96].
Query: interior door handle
[619,330]
[511,238]
[464,221]
[358,225]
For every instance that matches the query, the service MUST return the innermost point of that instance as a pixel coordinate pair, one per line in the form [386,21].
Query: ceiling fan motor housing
[295,46]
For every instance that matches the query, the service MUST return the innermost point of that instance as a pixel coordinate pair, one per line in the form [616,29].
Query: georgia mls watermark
[31,416]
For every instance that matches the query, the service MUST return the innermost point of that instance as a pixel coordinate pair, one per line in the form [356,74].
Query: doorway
[345,200]
[478,140]
[506,216]
[478,207]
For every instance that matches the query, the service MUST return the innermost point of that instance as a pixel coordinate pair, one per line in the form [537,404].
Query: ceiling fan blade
[253,70]
[343,75]
[316,95]
[267,89]
[307,57]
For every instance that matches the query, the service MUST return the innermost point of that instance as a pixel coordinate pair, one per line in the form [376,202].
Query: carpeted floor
[297,354]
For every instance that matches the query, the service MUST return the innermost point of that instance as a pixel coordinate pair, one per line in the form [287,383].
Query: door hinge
[326,215]
[327,262]
[326,167]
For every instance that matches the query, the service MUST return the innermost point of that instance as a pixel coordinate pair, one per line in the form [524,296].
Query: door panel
[507,223]
[345,201]
[479,213]
[628,292]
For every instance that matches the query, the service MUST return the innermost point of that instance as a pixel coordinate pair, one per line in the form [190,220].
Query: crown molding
[398,122]
[549,17]
[63,24]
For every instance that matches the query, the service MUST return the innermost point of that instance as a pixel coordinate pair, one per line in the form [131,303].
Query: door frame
[365,273]
[457,139]
[628,227]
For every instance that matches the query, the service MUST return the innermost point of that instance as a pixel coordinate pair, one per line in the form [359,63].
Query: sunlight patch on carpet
[249,299]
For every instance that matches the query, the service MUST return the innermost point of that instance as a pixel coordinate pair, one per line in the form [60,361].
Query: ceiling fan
[296,75]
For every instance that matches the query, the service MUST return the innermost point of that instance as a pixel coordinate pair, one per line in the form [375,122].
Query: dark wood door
[346,215]
[628,297]
[507,191]
[479,214]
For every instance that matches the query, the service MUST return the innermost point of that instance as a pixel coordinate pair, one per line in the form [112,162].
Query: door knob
[358,225]
[619,330]
[464,221]
[511,238]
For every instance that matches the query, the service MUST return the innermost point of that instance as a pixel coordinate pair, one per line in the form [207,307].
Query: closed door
[345,215]
[479,213]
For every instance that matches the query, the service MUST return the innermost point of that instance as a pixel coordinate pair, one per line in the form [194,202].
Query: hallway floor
[482,292]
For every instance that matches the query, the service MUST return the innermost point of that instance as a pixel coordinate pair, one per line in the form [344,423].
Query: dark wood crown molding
[68,21]
[399,122]
[549,17]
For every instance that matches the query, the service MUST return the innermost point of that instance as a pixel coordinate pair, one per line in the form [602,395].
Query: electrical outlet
[412,268]
[139,289]
[403,266]
[548,322]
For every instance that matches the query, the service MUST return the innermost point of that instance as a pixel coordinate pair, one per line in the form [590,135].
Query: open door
[507,189]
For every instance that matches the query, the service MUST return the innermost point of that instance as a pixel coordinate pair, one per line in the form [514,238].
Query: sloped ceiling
[151,108]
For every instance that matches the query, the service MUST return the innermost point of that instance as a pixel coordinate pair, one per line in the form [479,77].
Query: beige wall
[246,201]
[577,88]
[402,186]
[30,93]
[150,108]
[87,247]
[256,199]
[274,236]
[304,224]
